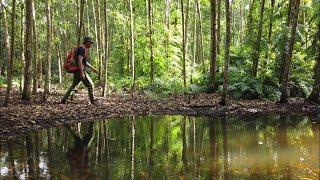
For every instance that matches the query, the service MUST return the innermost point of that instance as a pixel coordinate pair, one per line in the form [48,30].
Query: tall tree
[10,60]
[26,94]
[226,56]
[99,41]
[201,56]
[213,45]
[35,50]
[6,40]
[185,20]
[150,26]
[287,61]
[132,57]
[106,48]
[80,25]
[219,26]
[167,25]
[48,54]
[257,45]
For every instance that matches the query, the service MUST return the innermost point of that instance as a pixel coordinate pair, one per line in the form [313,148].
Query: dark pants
[76,80]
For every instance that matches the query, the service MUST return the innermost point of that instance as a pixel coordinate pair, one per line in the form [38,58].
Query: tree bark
[219,27]
[150,23]
[99,42]
[185,20]
[132,46]
[201,37]
[288,57]
[6,42]
[22,48]
[167,27]
[213,45]
[106,48]
[35,51]
[26,94]
[80,28]
[257,46]
[10,60]
[48,54]
[195,34]
[226,56]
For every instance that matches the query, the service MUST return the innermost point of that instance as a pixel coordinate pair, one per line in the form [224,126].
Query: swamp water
[168,147]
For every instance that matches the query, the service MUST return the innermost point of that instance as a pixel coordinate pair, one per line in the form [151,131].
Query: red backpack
[71,65]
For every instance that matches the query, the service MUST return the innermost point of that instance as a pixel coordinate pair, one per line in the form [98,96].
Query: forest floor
[21,117]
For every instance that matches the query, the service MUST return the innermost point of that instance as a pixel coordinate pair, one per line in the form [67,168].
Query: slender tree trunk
[80,27]
[226,56]
[250,19]
[95,28]
[315,94]
[195,34]
[48,54]
[288,57]
[257,46]
[185,20]
[22,48]
[26,94]
[219,27]
[213,45]
[106,52]
[35,51]
[6,40]
[201,58]
[150,23]
[167,27]
[132,46]
[10,60]
[58,48]
[270,27]
[99,42]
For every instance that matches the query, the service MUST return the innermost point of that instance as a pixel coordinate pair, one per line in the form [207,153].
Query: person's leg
[76,81]
[89,84]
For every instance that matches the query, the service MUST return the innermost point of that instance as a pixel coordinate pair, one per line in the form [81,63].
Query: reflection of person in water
[78,155]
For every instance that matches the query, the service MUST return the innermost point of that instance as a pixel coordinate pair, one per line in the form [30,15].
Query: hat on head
[87,39]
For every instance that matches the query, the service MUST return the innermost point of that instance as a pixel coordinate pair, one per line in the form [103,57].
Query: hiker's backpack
[71,65]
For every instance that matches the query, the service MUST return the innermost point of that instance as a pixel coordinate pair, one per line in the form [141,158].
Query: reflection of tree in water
[78,155]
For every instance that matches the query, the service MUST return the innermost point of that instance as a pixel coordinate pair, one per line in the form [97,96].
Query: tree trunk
[106,52]
[270,27]
[150,23]
[22,49]
[167,25]
[315,94]
[219,27]
[59,58]
[10,60]
[201,58]
[26,94]
[94,10]
[185,20]
[132,46]
[195,34]
[288,57]
[257,46]
[35,53]
[48,54]
[80,27]
[6,39]
[213,45]
[226,56]
[99,42]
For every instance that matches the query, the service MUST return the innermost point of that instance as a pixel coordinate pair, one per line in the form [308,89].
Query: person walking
[81,60]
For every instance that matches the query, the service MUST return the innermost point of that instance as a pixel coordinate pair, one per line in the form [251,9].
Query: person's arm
[80,58]
[90,66]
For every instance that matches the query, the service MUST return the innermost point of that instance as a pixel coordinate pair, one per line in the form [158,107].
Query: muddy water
[168,147]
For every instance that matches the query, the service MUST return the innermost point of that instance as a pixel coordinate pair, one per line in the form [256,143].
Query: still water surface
[168,147]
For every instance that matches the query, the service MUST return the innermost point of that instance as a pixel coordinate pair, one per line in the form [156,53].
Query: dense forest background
[242,49]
